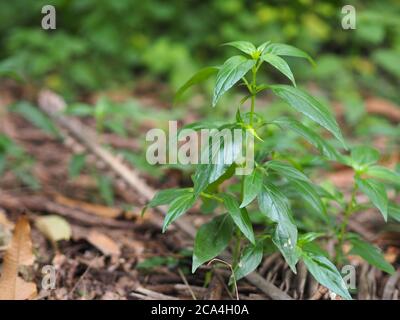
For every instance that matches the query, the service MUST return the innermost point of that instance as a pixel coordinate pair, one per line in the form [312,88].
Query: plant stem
[211,196]
[236,249]
[252,89]
[343,227]
[253,94]
[252,108]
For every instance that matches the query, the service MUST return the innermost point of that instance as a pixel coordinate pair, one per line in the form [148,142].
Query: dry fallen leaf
[54,228]
[104,243]
[12,287]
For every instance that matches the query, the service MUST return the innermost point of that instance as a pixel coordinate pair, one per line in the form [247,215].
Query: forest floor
[114,253]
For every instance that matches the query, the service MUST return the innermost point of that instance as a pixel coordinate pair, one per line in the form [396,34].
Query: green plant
[13,158]
[277,177]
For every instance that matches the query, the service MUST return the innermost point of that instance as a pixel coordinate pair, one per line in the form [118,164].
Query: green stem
[211,196]
[253,93]
[252,109]
[343,227]
[236,249]
[252,90]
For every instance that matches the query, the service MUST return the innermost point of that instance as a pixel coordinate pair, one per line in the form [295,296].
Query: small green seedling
[278,182]
[13,158]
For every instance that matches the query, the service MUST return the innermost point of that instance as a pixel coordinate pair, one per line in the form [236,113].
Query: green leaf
[311,136]
[274,205]
[376,193]
[201,177]
[198,125]
[244,46]
[281,49]
[309,237]
[208,205]
[79,110]
[383,173]
[326,273]
[363,156]
[76,165]
[104,184]
[197,78]
[222,154]
[177,208]
[211,239]
[250,259]
[154,262]
[371,254]
[283,234]
[262,46]
[311,196]
[2,163]
[279,64]
[286,170]
[27,178]
[252,186]
[302,185]
[394,211]
[239,216]
[231,72]
[168,195]
[309,106]
[36,117]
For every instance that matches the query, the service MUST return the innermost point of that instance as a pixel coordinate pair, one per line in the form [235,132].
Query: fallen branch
[38,203]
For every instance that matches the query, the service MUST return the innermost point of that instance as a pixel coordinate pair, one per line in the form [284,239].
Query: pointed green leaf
[371,254]
[363,156]
[309,106]
[384,174]
[177,208]
[309,237]
[244,46]
[222,154]
[312,137]
[211,239]
[326,273]
[36,117]
[166,196]
[239,216]
[302,185]
[76,165]
[286,170]
[279,64]
[231,72]
[262,46]
[252,186]
[251,258]
[376,192]
[281,49]
[198,77]
[198,125]
[311,196]
[274,205]
[283,235]
[201,178]
[2,163]
[394,211]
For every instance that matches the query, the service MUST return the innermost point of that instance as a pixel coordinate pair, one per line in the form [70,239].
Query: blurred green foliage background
[103,44]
